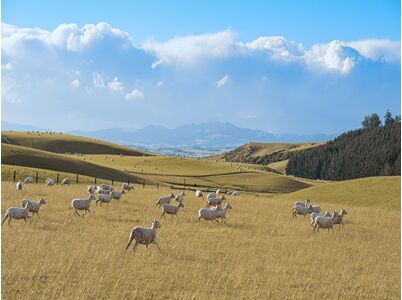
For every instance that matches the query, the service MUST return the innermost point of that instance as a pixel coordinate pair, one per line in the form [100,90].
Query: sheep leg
[130,241]
[135,246]
[162,215]
[154,242]
[5,218]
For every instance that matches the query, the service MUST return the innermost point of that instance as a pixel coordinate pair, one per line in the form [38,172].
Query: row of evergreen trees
[374,150]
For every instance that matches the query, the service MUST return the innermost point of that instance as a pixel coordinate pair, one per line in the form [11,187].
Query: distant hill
[7,126]
[61,143]
[355,154]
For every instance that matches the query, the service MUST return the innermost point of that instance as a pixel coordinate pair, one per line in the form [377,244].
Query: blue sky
[280,66]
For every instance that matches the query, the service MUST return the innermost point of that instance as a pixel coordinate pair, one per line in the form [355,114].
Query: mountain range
[204,135]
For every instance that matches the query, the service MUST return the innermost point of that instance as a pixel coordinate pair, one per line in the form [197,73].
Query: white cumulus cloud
[160,83]
[222,82]
[377,49]
[75,83]
[116,85]
[7,67]
[134,94]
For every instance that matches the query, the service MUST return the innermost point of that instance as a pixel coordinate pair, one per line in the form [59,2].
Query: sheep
[33,206]
[19,185]
[199,194]
[126,186]
[316,208]
[28,180]
[339,218]
[17,213]
[300,203]
[117,195]
[221,213]
[105,187]
[91,189]
[144,235]
[171,209]
[235,193]
[104,198]
[215,201]
[302,210]
[165,200]
[82,204]
[213,194]
[180,197]
[325,222]
[208,214]
[49,181]
[65,181]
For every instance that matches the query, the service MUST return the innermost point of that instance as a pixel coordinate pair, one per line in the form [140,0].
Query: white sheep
[91,189]
[221,213]
[49,182]
[301,203]
[104,198]
[325,222]
[208,214]
[82,204]
[33,206]
[339,218]
[213,194]
[65,181]
[105,187]
[180,197]
[235,193]
[171,209]
[302,210]
[117,195]
[127,186]
[19,185]
[103,191]
[316,208]
[144,235]
[165,200]
[17,213]
[198,194]
[29,179]
[215,201]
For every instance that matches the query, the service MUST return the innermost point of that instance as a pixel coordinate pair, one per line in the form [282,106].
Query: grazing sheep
[165,200]
[339,218]
[91,189]
[82,204]
[65,181]
[215,201]
[144,235]
[199,194]
[300,203]
[180,197]
[213,194]
[235,193]
[28,180]
[208,214]
[117,195]
[17,213]
[325,222]
[49,182]
[302,210]
[105,187]
[171,209]
[221,213]
[126,186]
[316,208]
[19,185]
[104,198]
[33,206]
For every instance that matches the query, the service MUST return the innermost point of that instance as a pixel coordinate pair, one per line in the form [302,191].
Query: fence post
[184,182]
[37,175]
[95,180]
[143,184]
[157,185]
[112,181]
[128,181]
[57,178]
[15,174]
[76,179]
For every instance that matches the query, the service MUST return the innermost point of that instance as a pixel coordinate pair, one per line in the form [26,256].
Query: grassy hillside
[62,143]
[279,166]
[261,253]
[29,157]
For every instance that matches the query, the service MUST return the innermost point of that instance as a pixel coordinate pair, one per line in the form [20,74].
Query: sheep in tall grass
[49,182]
[198,194]
[104,198]
[213,194]
[302,210]
[105,187]
[322,222]
[221,213]
[29,179]
[65,181]
[82,204]
[339,218]
[33,206]
[19,185]
[316,208]
[92,189]
[235,193]
[208,214]
[17,213]
[144,235]
[215,201]
[171,209]
[117,195]
[180,197]
[165,199]
[127,187]
[302,203]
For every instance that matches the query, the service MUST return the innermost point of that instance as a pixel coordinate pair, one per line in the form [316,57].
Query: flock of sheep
[105,193]
[326,221]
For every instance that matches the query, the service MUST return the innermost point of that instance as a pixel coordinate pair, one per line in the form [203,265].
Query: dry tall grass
[260,253]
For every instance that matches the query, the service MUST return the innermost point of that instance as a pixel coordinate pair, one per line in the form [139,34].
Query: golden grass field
[261,253]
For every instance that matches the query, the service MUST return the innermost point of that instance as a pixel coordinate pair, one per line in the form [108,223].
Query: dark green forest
[374,150]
